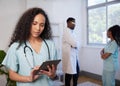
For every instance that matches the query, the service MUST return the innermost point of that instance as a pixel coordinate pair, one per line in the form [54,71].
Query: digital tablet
[46,63]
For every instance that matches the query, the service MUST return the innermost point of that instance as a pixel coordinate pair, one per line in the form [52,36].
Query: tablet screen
[46,63]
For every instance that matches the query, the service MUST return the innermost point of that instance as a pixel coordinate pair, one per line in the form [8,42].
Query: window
[94,2]
[102,14]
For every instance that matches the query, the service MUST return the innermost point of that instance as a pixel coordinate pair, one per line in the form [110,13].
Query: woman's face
[38,25]
[109,34]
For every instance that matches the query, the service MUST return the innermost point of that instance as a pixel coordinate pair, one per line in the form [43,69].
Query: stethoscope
[26,46]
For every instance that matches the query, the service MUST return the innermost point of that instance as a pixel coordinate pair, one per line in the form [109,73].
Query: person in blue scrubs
[31,45]
[109,54]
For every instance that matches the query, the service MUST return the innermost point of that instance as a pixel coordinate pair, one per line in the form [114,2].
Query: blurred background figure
[109,54]
[70,53]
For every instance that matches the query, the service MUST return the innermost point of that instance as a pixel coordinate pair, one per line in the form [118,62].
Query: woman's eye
[42,25]
[34,23]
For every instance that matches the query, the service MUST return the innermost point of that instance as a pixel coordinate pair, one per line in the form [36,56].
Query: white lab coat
[69,54]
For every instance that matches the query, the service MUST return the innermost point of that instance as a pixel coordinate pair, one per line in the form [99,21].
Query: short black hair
[70,19]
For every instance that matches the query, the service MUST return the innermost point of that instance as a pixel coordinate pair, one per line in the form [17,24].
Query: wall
[90,60]
[9,14]
[58,11]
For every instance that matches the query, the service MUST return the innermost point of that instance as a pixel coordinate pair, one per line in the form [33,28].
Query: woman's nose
[38,27]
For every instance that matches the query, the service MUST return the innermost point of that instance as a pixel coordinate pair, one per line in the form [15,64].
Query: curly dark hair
[115,30]
[22,29]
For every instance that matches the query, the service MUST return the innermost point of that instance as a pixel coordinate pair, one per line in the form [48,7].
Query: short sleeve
[10,60]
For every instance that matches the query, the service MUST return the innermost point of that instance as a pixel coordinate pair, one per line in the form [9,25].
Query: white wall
[90,60]
[9,14]
[59,10]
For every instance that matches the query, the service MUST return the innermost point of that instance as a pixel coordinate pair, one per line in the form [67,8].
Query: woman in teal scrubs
[28,49]
[110,56]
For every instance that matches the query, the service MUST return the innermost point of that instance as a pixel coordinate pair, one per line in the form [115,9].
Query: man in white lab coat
[70,53]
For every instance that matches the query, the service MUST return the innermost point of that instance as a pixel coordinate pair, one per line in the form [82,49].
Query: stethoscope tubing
[26,46]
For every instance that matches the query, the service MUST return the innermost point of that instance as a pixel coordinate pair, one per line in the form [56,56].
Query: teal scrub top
[111,63]
[16,61]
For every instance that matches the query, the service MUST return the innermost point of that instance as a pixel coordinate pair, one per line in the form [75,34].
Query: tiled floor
[88,83]
[85,79]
